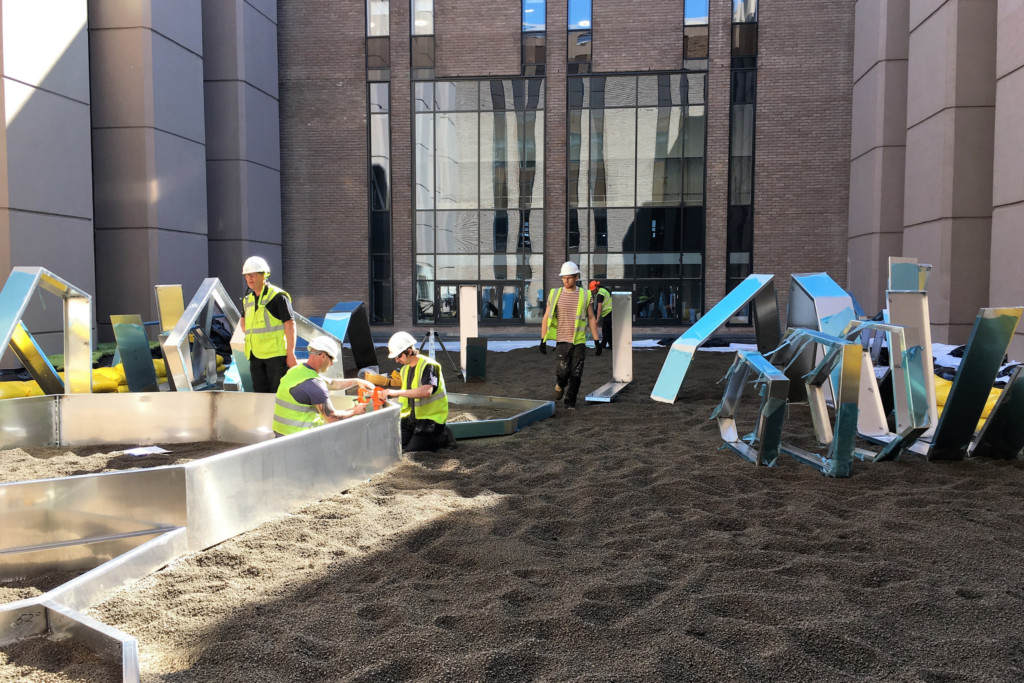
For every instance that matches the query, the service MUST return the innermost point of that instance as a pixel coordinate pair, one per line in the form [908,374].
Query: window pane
[530,236]
[425,161]
[457,95]
[690,304]
[457,165]
[742,130]
[423,96]
[380,162]
[528,94]
[659,230]
[619,91]
[744,87]
[579,158]
[740,231]
[500,302]
[613,155]
[378,53]
[424,288]
[657,266]
[744,40]
[693,232]
[533,48]
[610,266]
[378,97]
[696,88]
[498,171]
[613,229]
[497,95]
[457,267]
[695,42]
[659,173]
[534,15]
[425,232]
[579,14]
[381,302]
[696,11]
[377,18]
[448,301]
[422,52]
[657,303]
[741,177]
[457,232]
[422,17]
[744,10]
[693,181]
[533,296]
[577,93]
[664,90]
[579,46]
[380,232]
[530,140]
[498,230]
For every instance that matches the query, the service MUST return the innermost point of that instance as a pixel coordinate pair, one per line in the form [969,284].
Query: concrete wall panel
[267,8]
[976,55]
[929,169]
[1006,287]
[179,183]
[250,206]
[1009,46]
[921,10]
[122,82]
[259,50]
[46,49]
[973,132]
[180,21]
[222,42]
[876,191]
[48,152]
[124,166]
[931,243]
[931,70]
[1008,180]
[177,90]
[262,128]
[869,259]
[879,107]
[224,123]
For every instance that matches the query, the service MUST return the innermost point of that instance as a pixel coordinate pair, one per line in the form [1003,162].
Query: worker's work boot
[450,441]
[558,392]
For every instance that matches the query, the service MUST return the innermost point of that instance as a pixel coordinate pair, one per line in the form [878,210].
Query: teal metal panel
[133,349]
[1002,435]
[993,330]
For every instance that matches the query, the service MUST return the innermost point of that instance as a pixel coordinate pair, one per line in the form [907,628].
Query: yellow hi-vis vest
[264,334]
[433,407]
[580,334]
[606,304]
[290,416]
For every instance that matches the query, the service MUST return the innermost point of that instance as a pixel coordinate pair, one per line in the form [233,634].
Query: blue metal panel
[677,363]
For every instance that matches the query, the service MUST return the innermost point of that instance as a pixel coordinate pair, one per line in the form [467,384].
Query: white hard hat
[400,341]
[255,264]
[325,344]
[569,268]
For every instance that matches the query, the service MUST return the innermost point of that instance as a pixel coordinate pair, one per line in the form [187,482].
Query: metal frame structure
[1002,435]
[349,318]
[622,349]
[21,284]
[841,355]
[757,288]
[761,446]
[121,526]
[816,302]
[521,411]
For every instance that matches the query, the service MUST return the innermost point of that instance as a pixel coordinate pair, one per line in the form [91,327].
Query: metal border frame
[522,411]
[21,284]
[622,349]
[761,446]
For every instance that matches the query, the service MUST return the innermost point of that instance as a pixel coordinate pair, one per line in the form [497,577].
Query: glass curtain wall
[636,189]
[534,37]
[381,299]
[743,101]
[580,37]
[479,188]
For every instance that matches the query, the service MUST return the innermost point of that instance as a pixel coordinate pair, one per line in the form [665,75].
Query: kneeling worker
[303,400]
[424,399]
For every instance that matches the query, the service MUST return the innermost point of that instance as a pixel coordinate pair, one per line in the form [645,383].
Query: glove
[543,346]
[597,348]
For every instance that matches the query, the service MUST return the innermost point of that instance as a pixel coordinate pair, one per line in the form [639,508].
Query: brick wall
[477,39]
[635,36]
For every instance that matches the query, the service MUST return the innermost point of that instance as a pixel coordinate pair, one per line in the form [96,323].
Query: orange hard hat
[594,284]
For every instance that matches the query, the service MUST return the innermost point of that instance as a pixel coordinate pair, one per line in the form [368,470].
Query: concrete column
[243,151]
[45,153]
[1006,286]
[878,146]
[149,151]
[950,127]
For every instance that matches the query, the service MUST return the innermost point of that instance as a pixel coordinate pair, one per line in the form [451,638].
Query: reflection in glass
[744,10]
[500,302]
[456,232]
[422,17]
[658,266]
[663,90]
[377,18]
[424,155]
[580,46]
[741,152]
[696,11]
[534,15]
[378,97]
[534,53]
[657,303]
[424,288]
[659,173]
[457,163]
[378,53]
[659,230]
[744,41]
[457,267]
[447,301]
[579,14]
[457,95]
[423,96]
[695,42]
[425,232]
[613,155]
[422,52]
[579,157]
[380,162]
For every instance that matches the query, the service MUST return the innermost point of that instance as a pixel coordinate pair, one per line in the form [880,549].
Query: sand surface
[616,542]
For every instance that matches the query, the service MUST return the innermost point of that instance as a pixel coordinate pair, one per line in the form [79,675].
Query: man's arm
[342,383]
[592,322]
[331,415]
[544,320]
[289,343]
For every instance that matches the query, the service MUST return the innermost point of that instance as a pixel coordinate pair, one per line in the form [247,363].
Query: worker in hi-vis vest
[268,326]
[423,397]
[303,400]
[566,319]
[603,307]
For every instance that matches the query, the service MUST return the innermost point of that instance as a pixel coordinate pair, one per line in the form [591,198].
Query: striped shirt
[566,314]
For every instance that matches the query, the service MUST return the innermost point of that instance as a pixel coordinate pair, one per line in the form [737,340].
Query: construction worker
[571,305]
[303,401]
[424,399]
[268,326]
[603,304]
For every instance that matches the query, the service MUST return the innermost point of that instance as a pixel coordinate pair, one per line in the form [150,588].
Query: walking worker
[571,305]
[603,304]
[303,400]
[268,326]
[423,397]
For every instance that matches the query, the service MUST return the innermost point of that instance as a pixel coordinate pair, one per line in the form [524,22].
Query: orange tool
[375,398]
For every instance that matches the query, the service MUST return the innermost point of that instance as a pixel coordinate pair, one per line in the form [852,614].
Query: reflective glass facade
[479,197]
[636,149]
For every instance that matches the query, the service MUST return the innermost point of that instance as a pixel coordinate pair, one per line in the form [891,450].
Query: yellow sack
[31,388]
[942,387]
[160,367]
[11,390]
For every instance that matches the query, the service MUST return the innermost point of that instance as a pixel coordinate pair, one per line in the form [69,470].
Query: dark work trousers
[422,435]
[569,359]
[606,331]
[266,373]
